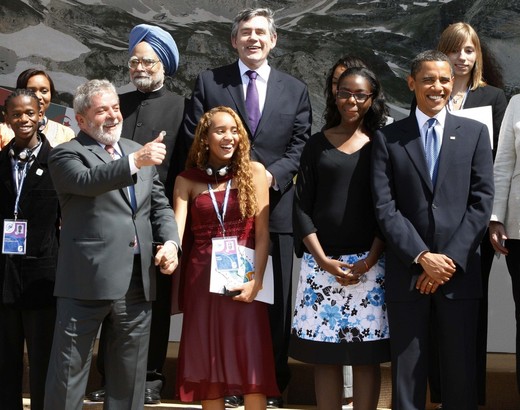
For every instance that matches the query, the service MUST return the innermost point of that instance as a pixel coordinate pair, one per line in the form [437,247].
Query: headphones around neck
[26,154]
[218,172]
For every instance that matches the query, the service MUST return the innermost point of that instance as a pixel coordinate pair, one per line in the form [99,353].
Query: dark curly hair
[331,114]
[376,116]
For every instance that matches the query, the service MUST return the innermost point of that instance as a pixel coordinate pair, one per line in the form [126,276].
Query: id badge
[15,236]
[225,268]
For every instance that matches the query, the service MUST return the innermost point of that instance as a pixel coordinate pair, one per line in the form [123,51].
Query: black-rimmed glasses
[359,97]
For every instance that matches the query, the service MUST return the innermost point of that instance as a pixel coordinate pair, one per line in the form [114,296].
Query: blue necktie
[431,147]
[252,104]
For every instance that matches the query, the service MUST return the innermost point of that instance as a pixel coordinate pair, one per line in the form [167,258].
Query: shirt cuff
[131,162]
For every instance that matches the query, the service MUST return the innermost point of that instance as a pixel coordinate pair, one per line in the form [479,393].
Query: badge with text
[15,237]
[225,268]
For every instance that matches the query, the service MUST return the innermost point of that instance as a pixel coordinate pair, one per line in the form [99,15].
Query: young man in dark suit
[432,182]
[277,114]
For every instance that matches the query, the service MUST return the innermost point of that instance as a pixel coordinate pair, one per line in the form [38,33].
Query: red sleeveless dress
[225,346]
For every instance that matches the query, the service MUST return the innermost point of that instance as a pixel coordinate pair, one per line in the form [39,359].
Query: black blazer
[27,281]
[144,116]
[482,96]
[413,216]
[281,134]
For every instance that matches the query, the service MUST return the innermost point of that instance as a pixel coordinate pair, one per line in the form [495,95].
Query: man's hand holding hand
[166,257]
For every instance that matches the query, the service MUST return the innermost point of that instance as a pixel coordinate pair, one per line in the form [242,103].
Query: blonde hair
[240,163]
[452,40]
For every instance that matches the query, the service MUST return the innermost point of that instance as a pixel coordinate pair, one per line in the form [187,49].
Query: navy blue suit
[450,219]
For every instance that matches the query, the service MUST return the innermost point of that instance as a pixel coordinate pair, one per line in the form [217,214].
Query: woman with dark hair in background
[39,82]
[340,315]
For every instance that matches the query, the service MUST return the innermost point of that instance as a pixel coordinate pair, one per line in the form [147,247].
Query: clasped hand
[437,270]
[166,258]
[345,273]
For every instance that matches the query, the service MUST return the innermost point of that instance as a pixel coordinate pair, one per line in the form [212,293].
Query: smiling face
[254,41]
[463,60]
[222,139]
[39,84]
[23,114]
[103,120]
[146,80]
[432,86]
[351,110]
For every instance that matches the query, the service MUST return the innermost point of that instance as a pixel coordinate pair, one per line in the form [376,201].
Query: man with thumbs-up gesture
[113,210]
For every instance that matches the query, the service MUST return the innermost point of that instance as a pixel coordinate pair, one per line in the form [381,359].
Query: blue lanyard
[20,178]
[220,216]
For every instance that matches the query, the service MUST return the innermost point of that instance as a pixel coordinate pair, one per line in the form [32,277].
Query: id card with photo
[14,239]
[225,268]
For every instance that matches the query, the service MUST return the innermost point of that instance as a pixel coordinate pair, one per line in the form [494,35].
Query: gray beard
[147,85]
[106,138]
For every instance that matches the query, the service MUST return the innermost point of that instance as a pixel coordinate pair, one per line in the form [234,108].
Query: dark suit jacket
[281,134]
[27,281]
[482,96]
[98,223]
[145,115]
[414,216]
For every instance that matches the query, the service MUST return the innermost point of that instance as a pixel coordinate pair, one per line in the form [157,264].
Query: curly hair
[377,114]
[240,164]
[331,114]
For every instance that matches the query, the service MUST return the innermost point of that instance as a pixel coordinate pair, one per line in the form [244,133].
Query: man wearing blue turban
[147,111]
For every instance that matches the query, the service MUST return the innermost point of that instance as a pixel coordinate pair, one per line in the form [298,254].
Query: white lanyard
[20,178]
[220,216]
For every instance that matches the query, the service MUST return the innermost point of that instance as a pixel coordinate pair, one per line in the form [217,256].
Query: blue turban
[162,43]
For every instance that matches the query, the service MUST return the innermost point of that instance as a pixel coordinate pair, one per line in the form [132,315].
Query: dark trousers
[127,327]
[451,325]
[513,266]
[159,332]
[280,313]
[35,327]
[487,254]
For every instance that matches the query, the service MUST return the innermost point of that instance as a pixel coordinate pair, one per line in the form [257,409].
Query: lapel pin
[452,137]
[39,172]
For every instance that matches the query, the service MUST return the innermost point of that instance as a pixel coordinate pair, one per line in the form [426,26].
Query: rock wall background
[77,40]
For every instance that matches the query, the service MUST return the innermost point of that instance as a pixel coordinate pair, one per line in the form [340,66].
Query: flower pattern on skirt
[327,311]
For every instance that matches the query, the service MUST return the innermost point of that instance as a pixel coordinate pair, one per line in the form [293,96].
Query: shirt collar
[263,71]
[422,117]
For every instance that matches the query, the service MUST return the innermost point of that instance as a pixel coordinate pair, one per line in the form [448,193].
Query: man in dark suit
[113,209]
[433,191]
[150,109]
[279,123]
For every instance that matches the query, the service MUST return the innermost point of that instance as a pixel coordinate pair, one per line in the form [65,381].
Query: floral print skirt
[336,324]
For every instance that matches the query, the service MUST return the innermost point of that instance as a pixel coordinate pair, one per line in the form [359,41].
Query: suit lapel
[448,148]
[93,146]
[236,91]
[413,144]
[274,90]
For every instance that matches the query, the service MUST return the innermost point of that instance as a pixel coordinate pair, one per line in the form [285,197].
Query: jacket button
[131,244]
[139,124]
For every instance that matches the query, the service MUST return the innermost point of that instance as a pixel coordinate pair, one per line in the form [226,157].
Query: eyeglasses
[359,97]
[147,63]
